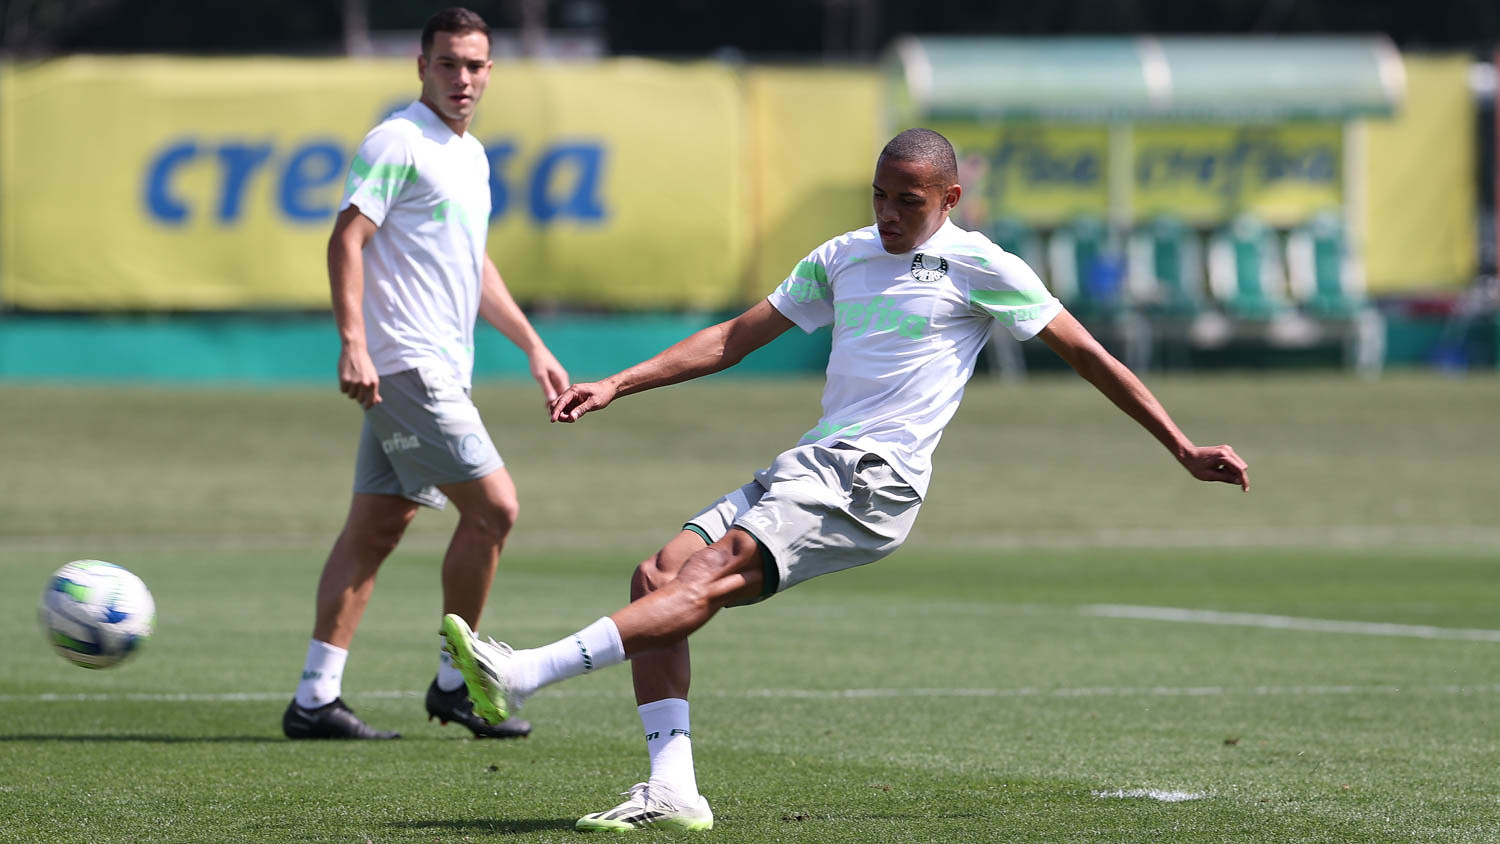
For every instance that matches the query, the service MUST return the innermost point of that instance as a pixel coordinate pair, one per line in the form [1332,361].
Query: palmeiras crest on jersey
[926,267]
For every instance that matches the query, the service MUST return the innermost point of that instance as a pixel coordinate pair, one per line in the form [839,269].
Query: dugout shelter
[1177,193]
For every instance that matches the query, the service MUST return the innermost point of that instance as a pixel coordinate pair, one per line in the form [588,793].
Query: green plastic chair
[1165,277]
[1244,270]
[1323,279]
[1085,268]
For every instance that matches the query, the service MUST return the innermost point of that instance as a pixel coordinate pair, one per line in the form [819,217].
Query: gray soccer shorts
[816,509]
[425,433]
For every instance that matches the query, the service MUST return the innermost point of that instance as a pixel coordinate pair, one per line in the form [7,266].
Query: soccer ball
[95,614]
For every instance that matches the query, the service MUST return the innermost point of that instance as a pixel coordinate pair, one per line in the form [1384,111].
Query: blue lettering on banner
[160,202]
[581,202]
[564,185]
[1225,169]
[237,162]
[310,168]
[1025,155]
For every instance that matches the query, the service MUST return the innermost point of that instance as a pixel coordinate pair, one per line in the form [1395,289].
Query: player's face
[911,203]
[454,74]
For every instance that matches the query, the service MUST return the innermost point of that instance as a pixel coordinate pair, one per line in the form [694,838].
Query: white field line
[1152,793]
[1348,537]
[1287,622]
[805,694]
[1352,537]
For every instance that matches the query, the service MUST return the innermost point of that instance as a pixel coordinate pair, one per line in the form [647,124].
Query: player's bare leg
[371,532]
[487,510]
[713,577]
[373,528]
[674,595]
[678,590]
[665,672]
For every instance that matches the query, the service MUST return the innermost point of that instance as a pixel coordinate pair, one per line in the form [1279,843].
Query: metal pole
[533,27]
[356,14]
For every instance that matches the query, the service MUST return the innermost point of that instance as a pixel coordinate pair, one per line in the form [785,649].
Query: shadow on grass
[512,826]
[154,738]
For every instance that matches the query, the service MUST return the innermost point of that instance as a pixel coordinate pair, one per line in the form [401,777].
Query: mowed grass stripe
[1459,537]
[811,694]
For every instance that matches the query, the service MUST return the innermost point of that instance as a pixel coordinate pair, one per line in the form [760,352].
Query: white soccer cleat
[642,808]
[483,664]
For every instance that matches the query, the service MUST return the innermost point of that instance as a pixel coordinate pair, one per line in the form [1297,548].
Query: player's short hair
[454,19]
[926,146]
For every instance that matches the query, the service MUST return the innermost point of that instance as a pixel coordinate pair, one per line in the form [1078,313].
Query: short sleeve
[382,167]
[1005,288]
[806,297]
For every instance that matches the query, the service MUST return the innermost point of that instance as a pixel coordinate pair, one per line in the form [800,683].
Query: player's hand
[549,374]
[1217,463]
[580,399]
[357,377]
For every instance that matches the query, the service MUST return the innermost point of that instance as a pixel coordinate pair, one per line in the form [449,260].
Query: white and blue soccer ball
[96,614]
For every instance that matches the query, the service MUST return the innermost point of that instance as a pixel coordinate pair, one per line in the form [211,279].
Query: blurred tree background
[839,30]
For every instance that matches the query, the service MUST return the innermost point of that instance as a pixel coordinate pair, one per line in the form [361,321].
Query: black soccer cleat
[455,706]
[330,721]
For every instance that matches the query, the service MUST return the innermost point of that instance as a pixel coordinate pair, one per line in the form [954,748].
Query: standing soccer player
[409,273]
[912,301]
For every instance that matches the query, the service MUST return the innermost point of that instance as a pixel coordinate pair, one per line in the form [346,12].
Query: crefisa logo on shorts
[926,267]
[400,442]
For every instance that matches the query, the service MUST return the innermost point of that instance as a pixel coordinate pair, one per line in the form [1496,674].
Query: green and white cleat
[642,809]
[482,662]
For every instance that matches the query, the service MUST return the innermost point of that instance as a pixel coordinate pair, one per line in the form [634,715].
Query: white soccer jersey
[427,191]
[907,329]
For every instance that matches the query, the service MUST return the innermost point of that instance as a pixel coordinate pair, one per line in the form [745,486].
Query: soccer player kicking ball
[409,274]
[912,301]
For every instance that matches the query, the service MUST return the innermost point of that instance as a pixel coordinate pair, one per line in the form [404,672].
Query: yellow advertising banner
[1282,173]
[1042,174]
[814,135]
[1047,174]
[1422,193]
[167,183]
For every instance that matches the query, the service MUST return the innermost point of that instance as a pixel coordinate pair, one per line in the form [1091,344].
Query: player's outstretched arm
[1074,344]
[499,309]
[715,348]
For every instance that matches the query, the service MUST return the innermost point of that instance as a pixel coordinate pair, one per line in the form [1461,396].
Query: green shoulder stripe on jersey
[983,261]
[384,180]
[1007,298]
[811,270]
[384,172]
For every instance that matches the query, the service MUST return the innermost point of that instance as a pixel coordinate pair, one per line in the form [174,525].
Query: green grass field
[1073,622]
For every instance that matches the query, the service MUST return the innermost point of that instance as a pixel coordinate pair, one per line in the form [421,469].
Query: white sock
[669,741]
[448,677]
[590,649]
[322,675]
